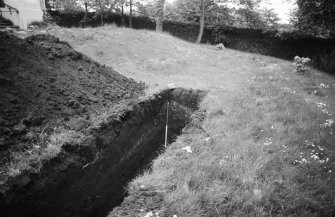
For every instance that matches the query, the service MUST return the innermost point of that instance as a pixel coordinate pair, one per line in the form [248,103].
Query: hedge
[271,43]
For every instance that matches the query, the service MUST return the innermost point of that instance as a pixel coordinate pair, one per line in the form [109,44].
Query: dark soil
[143,199]
[47,87]
[89,179]
[45,83]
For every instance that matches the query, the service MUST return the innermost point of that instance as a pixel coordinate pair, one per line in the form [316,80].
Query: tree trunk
[160,15]
[101,11]
[85,17]
[2,4]
[122,14]
[85,10]
[202,22]
[131,14]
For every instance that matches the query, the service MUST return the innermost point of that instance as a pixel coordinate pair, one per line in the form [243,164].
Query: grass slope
[266,147]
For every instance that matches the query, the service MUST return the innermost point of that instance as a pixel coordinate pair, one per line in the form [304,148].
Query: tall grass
[32,158]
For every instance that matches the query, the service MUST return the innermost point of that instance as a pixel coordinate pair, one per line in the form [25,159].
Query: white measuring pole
[167,121]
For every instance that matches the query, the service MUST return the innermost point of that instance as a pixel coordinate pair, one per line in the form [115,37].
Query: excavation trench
[89,180]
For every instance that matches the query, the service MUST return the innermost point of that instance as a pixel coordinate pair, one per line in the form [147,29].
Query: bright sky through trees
[281,7]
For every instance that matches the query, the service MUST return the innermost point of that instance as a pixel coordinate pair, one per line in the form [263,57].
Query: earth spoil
[45,84]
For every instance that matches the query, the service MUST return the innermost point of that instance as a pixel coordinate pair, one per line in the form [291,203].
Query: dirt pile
[44,83]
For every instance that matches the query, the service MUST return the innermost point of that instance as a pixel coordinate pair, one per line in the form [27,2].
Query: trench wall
[89,180]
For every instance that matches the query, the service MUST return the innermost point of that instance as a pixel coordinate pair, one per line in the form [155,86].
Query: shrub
[220,46]
[301,64]
[39,24]
[219,34]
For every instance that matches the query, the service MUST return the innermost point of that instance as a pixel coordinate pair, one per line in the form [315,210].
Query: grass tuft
[43,149]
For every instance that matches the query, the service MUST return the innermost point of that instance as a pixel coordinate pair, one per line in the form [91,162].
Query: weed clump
[31,159]
[301,65]
[220,46]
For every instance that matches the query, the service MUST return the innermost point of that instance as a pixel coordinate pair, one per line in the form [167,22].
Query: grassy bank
[265,145]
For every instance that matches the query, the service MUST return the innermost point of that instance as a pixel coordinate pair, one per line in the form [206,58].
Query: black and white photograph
[167,108]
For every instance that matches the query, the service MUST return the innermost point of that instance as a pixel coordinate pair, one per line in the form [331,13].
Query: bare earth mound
[46,87]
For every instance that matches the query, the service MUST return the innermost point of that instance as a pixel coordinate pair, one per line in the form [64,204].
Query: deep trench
[90,180]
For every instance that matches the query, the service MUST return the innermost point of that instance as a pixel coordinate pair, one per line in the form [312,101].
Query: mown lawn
[265,146]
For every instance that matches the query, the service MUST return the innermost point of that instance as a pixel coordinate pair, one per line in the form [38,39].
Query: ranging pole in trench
[167,121]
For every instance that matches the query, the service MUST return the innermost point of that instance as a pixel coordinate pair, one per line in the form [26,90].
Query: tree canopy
[245,13]
[66,5]
[316,17]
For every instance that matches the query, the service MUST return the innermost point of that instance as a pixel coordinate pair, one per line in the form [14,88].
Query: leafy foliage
[270,18]
[190,11]
[245,13]
[301,64]
[159,15]
[220,46]
[316,17]
[248,14]
[65,5]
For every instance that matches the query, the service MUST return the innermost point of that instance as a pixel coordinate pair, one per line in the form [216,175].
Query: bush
[301,64]
[39,24]
[220,46]
[219,34]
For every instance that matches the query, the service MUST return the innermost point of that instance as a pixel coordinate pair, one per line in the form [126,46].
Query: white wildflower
[224,160]
[187,149]
[268,141]
[308,100]
[220,46]
[325,111]
[149,214]
[251,80]
[272,66]
[207,139]
[321,104]
[284,78]
[296,161]
[324,85]
[287,89]
[309,143]
[328,123]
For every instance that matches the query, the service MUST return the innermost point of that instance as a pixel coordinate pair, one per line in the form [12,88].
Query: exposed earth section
[89,179]
[45,84]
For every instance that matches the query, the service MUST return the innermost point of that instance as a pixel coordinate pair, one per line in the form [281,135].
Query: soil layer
[90,179]
[44,85]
